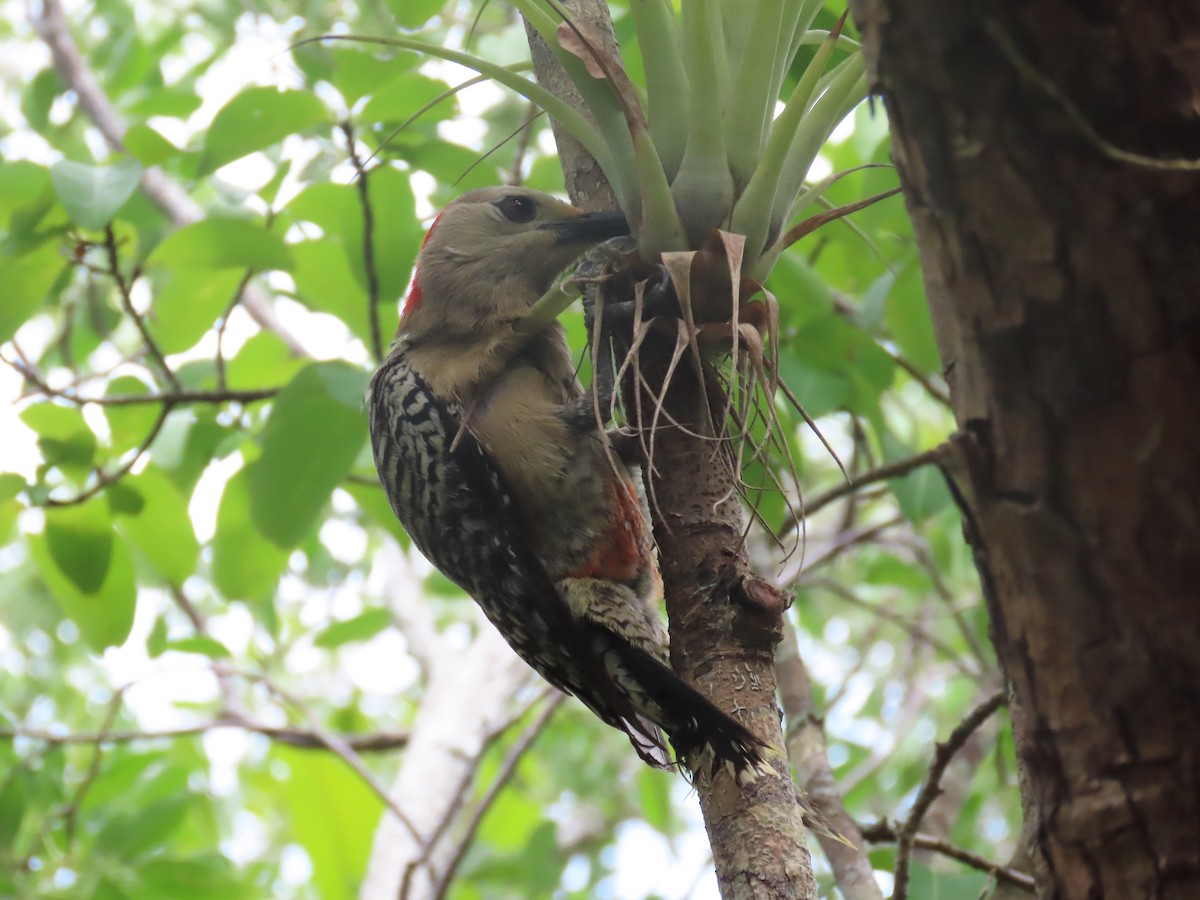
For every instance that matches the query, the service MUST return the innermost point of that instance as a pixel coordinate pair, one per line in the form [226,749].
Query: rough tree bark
[1042,146]
[724,621]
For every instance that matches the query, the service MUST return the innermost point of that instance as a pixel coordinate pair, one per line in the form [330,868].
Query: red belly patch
[624,551]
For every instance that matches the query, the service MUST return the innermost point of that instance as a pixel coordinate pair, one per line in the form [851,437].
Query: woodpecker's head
[491,254]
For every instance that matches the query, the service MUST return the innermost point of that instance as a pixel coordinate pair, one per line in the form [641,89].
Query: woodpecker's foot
[658,299]
[581,413]
[626,444]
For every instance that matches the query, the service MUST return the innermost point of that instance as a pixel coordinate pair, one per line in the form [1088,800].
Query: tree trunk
[1042,149]
[725,622]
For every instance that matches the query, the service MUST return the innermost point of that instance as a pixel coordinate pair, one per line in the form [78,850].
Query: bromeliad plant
[709,174]
[700,147]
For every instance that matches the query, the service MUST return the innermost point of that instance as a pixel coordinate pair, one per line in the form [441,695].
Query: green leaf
[333,814]
[161,528]
[221,242]
[413,14]
[177,101]
[130,835]
[92,195]
[80,541]
[907,316]
[263,361]
[200,644]
[104,616]
[399,98]
[326,283]
[189,304]
[147,146]
[10,507]
[187,443]
[323,205]
[654,792]
[930,885]
[357,72]
[39,97]
[246,566]
[209,876]
[21,183]
[311,438]
[129,425]
[156,640]
[450,163]
[921,493]
[254,120]
[396,233]
[27,281]
[64,437]
[12,811]
[820,391]
[359,628]
[375,506]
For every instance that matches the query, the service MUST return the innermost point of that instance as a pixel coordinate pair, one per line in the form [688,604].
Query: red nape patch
[413,301]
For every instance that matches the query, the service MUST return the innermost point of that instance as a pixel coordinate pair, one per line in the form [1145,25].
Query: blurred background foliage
[201,580]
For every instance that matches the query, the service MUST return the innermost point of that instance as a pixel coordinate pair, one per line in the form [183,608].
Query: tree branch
[181,397]
[808,752]
[54,30]
[442,760]
[295,737]
[503,776]
[368,242]
[884,832]
[123,288]
[899,468]
[105,479]
[943,753]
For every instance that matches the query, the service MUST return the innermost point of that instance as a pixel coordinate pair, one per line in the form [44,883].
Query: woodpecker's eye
[517,209]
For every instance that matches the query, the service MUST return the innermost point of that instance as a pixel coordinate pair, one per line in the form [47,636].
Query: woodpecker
[490,455]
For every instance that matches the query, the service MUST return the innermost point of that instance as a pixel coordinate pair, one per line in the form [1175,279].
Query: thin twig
[123,289]
[294,737]
[925,560]
[181,397]
[936,391]
[368,242]
[71,811]
[841,543]
[234,303]
[105,479]
[943,753]
[515,175]
[338,745]
[858,481]
[507,768]
[459,798]
[884,832]
[53,28]
[915,629]
[512,134]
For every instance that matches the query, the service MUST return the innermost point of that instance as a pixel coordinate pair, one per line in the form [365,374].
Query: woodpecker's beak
[587,228]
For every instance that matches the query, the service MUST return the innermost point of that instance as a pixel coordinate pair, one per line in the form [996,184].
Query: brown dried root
[720,314]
